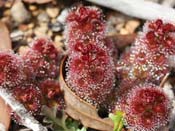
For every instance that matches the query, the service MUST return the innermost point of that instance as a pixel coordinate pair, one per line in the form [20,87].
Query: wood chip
[122,41]
[5,43]
[5,114]
[83,111]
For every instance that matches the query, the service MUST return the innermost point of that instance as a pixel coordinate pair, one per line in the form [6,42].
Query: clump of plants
[130,89]
[147,59]
[140,70]
[26,76]
[146,108]
[90,67]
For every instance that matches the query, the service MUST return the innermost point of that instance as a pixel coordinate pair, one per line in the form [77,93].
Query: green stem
[49,113]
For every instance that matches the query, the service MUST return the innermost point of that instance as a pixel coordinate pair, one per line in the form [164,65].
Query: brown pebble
[40,31]
[23,49]
[35,13]
[31,25]
[32,7]
[43,17]
[23,27]
[8,4]
[58,44]
[42,24]
[123,31]
[52,11]
[50,33]
[29,33]
[131,25]
[119,26]
[53,20]
[58,38]
[7,12]
[29,39]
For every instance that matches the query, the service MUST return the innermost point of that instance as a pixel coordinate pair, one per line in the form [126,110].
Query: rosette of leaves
[147,59]
[90,67]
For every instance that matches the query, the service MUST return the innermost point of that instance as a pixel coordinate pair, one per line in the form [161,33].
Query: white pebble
[20,13]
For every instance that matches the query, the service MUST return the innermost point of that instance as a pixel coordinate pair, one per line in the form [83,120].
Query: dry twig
[139,8]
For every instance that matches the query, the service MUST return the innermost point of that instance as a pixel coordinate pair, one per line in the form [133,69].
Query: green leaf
[70,123]
[118,119]
[82,129]
[63,123]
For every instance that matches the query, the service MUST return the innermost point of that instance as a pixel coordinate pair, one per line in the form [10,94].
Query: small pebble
[167,88]
[58,45]
[7,12]
[23,49]
[23,27]
[50,33]
[52,11]
[8,4]
[62,17]
[32,7]
[171,61]
[131,25]
[35,13]
[119,26]
[29,33]
[17,35]
[43,17]
[123,31]
[40,31]
[58,41]
[31,25]
[53,20]
[20,13]
[29,40]
[116,22]
[58,38]
[115,18]
[56,27]
[43,24]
